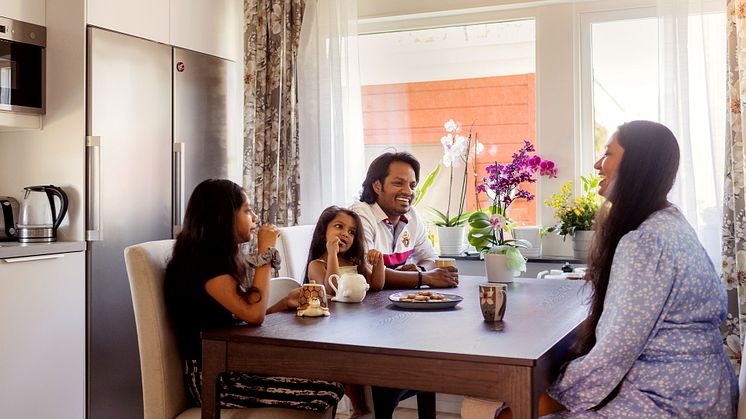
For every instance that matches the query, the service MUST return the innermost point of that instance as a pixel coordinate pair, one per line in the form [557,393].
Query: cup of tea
[445,262]
[492,300]
[313,295]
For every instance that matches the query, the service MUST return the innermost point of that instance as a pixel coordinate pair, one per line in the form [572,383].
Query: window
[413,81]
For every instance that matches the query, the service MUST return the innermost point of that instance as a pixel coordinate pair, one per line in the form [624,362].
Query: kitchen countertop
[15,249]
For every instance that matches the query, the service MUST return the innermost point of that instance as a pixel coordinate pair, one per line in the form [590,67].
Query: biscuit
[411,296]
[421,298]
[425,293]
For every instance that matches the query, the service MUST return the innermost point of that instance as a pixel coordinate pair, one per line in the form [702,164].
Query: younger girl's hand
[267,236]
[332,246]
[374,256]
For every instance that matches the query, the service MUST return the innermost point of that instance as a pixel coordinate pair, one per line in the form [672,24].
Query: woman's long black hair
[644,177]
[209,235]
[356,252]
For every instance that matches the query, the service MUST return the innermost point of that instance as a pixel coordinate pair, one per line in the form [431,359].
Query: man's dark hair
[379,169]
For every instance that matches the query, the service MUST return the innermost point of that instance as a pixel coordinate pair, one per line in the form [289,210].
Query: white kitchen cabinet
[147,19]
[31,11]
[42,325]
[209,26]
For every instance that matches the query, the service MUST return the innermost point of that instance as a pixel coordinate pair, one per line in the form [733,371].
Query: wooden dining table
[445,351]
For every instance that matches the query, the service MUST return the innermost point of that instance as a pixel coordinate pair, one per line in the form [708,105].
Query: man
[392,226]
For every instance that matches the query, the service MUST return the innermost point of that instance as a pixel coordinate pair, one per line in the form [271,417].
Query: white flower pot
[581,244]
[452,240]
[531,234]
[496,268]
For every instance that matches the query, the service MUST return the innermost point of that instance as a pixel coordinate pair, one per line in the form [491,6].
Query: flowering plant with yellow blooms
[575,214]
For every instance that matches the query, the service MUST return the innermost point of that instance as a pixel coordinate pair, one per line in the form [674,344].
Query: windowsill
[541,259]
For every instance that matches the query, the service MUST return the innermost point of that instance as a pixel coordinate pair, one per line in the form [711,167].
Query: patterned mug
[492,300]
[311,291]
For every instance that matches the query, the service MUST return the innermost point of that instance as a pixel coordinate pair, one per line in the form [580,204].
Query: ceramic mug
[492,300]
[444,262]
[311,291]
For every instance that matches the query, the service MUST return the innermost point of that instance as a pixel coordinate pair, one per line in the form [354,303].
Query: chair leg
[425,405]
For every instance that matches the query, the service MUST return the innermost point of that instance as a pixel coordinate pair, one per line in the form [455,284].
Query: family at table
[650,346]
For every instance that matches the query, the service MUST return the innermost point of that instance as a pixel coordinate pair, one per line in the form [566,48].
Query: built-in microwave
[22,66]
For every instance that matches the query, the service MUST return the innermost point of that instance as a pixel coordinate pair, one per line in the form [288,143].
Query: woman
[651,345]
[208,284]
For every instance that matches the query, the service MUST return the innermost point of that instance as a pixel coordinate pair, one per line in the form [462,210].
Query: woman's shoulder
[667,226]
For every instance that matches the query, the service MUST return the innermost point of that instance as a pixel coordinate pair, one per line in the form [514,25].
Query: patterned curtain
[271,149]
[734,207]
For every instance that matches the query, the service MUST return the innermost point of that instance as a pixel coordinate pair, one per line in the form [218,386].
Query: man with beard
[392,226]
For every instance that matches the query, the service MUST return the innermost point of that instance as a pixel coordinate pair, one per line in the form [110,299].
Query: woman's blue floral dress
[658,337]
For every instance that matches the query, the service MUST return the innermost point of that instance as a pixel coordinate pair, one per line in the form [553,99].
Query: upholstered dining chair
[294,243]
[164,391]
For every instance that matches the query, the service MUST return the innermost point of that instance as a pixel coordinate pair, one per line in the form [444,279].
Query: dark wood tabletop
[449,351]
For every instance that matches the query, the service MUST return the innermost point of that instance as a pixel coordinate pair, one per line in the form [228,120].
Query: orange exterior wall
[503,110]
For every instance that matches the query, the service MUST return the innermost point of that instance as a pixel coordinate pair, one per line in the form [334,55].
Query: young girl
[209,284]
[337,243]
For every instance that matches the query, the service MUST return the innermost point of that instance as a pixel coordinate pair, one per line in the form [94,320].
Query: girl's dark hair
[643,179]
[379,169]
[356,252]
[208,234]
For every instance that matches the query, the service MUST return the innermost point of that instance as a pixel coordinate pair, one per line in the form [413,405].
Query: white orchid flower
[479,147]
[452,126]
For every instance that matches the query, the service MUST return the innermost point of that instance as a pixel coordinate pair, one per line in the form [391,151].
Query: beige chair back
[294,243]
[164,394]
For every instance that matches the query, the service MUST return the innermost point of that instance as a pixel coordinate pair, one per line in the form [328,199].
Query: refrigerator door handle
[178,207]
[93,204]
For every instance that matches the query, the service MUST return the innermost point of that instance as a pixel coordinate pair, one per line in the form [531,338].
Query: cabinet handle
[93,203]
[178,185]
[32,258]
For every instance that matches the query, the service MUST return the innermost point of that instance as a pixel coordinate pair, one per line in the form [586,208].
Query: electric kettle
[42,211]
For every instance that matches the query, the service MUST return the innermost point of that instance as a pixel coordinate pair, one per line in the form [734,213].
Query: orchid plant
[456,150]
[503,186]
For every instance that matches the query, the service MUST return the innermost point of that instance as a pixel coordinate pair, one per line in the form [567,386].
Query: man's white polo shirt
[406,242]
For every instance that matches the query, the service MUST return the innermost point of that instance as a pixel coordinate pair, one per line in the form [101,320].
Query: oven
[22,67]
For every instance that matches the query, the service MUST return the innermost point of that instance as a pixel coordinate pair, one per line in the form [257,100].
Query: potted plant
[502,185]
[576,216]
[456,150]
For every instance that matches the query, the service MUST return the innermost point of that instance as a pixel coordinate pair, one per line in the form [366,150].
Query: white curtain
[331,133]
[693,105]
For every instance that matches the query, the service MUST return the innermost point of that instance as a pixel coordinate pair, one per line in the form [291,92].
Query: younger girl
[209,284]
[338,242]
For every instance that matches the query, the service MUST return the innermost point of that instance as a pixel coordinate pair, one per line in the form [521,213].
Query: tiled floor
[404,413]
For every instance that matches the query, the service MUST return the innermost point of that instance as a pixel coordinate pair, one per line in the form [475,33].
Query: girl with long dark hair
[210,284]
[651,345]
[338,242]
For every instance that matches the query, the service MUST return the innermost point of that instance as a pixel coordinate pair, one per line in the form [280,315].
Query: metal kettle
[41,215]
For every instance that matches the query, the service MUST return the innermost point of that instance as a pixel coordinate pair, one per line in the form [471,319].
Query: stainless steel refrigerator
[157,121]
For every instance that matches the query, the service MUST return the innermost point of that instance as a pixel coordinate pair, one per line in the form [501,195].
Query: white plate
[449,301]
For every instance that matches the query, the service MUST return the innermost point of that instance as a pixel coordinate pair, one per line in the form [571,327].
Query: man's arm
[433,278]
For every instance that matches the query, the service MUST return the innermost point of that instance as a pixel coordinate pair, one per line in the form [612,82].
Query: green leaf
[515,260]
[422,188]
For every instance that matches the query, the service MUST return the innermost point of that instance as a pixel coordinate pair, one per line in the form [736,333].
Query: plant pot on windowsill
[452,240]
[581,244]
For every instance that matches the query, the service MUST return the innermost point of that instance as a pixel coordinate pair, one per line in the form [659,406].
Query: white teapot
[350,288]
